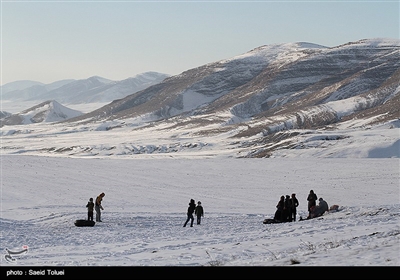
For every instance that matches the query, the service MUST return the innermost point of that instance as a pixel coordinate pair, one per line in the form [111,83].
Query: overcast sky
[47,41]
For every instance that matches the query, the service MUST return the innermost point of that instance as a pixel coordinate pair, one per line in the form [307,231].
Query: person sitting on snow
[320,209]
[323,205]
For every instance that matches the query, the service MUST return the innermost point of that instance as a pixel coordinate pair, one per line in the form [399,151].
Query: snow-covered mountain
[4,114]
[94,89]
[295,96]
[20,91]
[48,111]
[301,83]
[18,85]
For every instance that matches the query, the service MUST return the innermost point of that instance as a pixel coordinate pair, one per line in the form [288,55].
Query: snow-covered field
[48,175]
[146,202]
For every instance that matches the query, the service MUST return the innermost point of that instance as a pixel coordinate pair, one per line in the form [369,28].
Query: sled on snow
[84,223]
[334,208]
[270,221]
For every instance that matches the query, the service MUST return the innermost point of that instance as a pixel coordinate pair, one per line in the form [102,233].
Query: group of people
[287,207]
[192,209]
[196,210]
[95,206]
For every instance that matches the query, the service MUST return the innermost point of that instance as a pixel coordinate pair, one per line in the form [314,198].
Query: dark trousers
[189,217]
[310,205]
[278,215]
[285,215]
[90,215]
[198,219]
[294,212]
[289,215]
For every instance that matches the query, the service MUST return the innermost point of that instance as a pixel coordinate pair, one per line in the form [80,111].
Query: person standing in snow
[190,210]
[98,206]
[295,203]
[279,209]
[287,210]
[312,201]
[199,212]
[90,207]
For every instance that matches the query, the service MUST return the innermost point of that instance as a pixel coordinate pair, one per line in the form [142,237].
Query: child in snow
[199,212]
[90,207]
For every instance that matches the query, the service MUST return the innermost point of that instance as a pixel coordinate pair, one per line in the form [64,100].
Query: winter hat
[91,199]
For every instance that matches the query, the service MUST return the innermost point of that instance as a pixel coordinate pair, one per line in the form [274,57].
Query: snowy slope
[269,89]
[145,207]
[49,111]
[150,161]
[264,103]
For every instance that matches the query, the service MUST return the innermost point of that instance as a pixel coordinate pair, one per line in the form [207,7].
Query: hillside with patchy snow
[49,111]
[273,81]
[275,98]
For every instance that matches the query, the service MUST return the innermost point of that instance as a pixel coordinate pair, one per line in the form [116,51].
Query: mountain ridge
[272,98]
[250,89]
[48,111]
[69,91]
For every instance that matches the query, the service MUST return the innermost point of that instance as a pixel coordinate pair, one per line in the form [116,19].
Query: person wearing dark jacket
[295,203]
[279,209]
[190,210]
[199,212]
[287,210]
[90,207]
[312,201]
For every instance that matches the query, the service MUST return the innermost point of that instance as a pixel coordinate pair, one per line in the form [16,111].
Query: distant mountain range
[93,89]
[270,89]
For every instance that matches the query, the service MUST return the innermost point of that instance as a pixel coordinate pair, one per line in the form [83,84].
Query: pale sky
[47,41]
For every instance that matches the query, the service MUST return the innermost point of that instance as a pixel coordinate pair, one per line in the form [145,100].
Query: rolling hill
[298,96]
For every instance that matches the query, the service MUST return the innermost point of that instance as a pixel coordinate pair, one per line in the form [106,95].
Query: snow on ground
[49,172]
[146,202]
